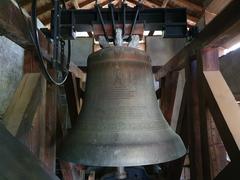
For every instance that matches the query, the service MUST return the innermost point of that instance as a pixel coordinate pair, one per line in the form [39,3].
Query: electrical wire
[134,22]
[102,21]
[33,32]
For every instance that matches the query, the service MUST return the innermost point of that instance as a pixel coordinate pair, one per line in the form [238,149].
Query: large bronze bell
[17,162]
[120,123]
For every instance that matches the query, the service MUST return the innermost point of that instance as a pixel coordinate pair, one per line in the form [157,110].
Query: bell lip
[112,164]
[124,165]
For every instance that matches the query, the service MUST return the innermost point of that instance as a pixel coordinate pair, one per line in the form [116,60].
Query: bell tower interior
[119,89]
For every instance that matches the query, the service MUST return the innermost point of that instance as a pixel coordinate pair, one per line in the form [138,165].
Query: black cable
[134,22]
[124,19]
[55,31]
[102,21]
[113,19]
[33,33]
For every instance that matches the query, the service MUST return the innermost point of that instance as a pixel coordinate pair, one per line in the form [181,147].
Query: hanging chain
[62,55]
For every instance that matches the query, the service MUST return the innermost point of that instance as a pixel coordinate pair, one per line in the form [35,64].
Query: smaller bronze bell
[120,123]
[17,162]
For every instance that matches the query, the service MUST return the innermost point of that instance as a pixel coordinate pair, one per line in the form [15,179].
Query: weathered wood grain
[21,110]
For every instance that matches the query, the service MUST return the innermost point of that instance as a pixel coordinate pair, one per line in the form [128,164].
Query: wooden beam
[231,17]
[192,8]
[21,110]
[178,100]
[174,169]
[146,4]
[164,4]
[157,2]
[81,5]
[216,6]
[213,150]
[168,92]
[187,4]
[75,4]
[14,26]
[24,2]
[217,151]
[191,20]
[30,62]
[34,137]
[69,5]
[77,72]
[207,61]
[12,23]
[44,8]
[231,171]
[193,109]
[72,98]
[119,3]
[225,111]
[49,157]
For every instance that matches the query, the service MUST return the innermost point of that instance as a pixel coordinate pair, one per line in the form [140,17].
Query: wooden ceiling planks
[194,8]
[177,4]
[216,6]
[187,4]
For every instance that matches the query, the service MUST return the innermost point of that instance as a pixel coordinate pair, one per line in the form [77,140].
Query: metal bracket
[173,21]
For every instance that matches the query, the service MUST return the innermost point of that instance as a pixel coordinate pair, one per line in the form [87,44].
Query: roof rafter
[45,18]
[187,4]
[43,11]
[191,20]
[164,4]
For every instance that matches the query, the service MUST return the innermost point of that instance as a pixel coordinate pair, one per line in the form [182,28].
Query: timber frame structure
[200,102]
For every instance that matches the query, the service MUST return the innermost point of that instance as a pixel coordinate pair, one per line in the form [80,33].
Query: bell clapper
[121,173]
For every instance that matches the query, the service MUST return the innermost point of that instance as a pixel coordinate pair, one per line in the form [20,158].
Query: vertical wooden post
[217,154]
[72,97]
[175,167]
[195,146]
[217,150]
[199,149]
[50,131]
[34,138]
[168,92]
[203,116]
[30,63]
[41,139]
[179,98]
